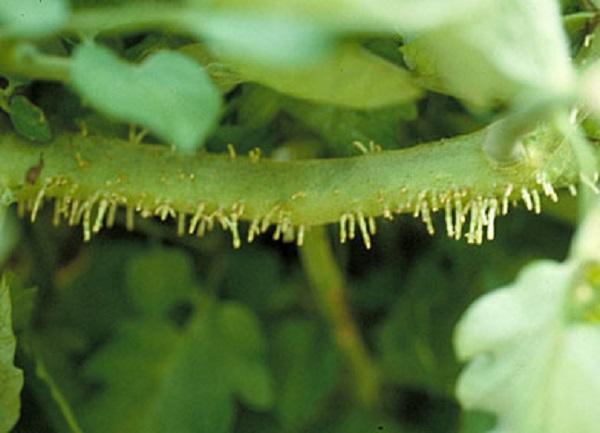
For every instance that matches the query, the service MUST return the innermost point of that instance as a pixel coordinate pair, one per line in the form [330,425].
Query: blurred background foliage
[148,332]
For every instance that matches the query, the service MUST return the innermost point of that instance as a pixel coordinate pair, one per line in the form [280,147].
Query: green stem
[90,176]
[24,60]
[503,142]
[327,283]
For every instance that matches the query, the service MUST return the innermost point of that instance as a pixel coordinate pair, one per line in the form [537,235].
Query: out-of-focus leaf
[93,297]
[23,304]
[532,359]
[169,94]
[29,120]
[380,16]
[159,279]
[498,52]
[352,77]
[11,378]
[415,339]
[306,369]
[273,39]
[257,106]
[31,17]
[157,379]
[258,290]
[221,73]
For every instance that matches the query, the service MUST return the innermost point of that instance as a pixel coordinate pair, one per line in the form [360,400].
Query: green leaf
[159,279]
[499,51]
[31,18]
[265,38]
[257,106]
[368,16]
[93,296]
[352,77]
[23,306]
[157,379]
[29,120]
[306,369]
[258,290]
[414,340]
[532,360]
[168,93]
[224,77]
[11,378]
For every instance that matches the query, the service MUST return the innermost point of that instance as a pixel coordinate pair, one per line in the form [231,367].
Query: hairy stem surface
[91,177]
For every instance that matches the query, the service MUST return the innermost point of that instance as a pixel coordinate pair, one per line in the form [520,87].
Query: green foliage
[181,387]
[352,77]
[306,370]
[167,93]
[288,115]
[518,33]
[29,120]
[11,378]
[532,362]
[31,17]
[215,355]
[273,39]
[415,339]
[153,291]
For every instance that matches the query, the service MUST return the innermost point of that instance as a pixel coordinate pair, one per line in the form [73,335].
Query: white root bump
[573,190]
[461,209]
[362,224]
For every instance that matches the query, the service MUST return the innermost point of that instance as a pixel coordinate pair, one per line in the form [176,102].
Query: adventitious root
[90,179]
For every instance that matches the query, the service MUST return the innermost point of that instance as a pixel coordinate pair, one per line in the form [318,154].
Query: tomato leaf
[11,378]
[375,16]
[532,356]
[306,369]
[353,77]
[265,38]
[168,93]
[29,120]
[31,17]
[155,292]
[156,378]
[498,51]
